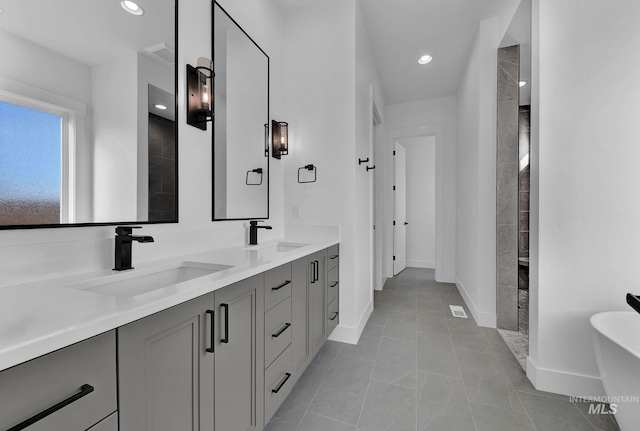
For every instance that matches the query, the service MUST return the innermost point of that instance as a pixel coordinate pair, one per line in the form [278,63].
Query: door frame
[436,130]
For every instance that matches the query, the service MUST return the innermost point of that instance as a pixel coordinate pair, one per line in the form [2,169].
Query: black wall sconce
[199,93]
[279,138]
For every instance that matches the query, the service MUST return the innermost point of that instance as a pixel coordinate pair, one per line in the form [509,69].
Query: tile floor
[418,368]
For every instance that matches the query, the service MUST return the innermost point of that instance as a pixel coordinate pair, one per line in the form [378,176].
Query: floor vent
[458,311]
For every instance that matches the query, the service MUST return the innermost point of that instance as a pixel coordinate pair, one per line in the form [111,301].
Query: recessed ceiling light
[162,107]
[131,7]
[425,59]
[522,83]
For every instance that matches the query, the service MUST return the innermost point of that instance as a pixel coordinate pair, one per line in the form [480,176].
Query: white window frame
[68,109]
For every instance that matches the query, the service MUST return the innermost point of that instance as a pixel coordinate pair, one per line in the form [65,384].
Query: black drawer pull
[281,286]
[211,335]
[317,269]
[279,333]
[335,256]
[226,323]
[84,390]
[334,284]
[286,377]
[335,314]
[313,271]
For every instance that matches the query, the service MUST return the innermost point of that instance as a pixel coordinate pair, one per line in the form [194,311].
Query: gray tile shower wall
[507,188]
[162,169]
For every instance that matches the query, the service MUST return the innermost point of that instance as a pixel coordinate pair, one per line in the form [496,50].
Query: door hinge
[394,188]
[394,222]
[394,258]
[394,153]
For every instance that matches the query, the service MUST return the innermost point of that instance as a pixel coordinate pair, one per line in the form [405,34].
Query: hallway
[418,368]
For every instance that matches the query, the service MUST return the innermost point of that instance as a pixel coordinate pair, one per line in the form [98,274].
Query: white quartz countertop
[41,317]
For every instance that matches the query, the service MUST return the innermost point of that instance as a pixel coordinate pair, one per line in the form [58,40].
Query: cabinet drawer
[333,284]
[333,256]
[108,424]
[333,315]
[83,374]
[278,381]
[277,283]
[277,330]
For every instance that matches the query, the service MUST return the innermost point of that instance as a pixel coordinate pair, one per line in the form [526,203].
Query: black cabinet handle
[335,314]
[226,323]
[211,335]
[370,168]
[313,272]
[84,391]
[286,377]
[279,333]
[281,286]
[334,284]
[405,223]
[335,256]
[317,273]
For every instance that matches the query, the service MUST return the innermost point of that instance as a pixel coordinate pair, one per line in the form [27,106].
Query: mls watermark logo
[602,409]
[604,405]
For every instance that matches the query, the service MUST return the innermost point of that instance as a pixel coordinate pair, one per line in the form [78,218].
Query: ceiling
[90,32]
[400,31]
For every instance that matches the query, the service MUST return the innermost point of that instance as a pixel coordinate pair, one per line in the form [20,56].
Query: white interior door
[400,209]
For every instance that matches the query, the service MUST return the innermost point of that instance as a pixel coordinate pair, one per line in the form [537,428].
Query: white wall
[329,75]
[115,139]
[42,253]
[433,117]
[585,181]
[421,201]
[476,176]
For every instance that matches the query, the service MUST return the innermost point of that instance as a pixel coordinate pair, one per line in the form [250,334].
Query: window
[34,163]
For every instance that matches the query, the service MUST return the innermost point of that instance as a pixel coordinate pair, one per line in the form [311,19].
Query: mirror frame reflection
[265,140]
[176,123]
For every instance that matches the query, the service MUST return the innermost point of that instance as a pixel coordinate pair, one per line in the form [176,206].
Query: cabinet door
[300,282]
[317,302]
[165,370]
[239,350]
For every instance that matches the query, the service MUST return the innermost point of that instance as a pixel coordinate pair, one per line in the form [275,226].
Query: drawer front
[277,330]
[109,424]
[277,283]
[278,381]
[333,315]
[84,375]
[333,283]
[333,256]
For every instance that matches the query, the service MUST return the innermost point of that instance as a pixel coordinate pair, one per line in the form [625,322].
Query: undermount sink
[280,247]
[139,282]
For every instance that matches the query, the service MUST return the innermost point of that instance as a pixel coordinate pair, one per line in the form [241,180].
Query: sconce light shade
[279,138]
[199,93]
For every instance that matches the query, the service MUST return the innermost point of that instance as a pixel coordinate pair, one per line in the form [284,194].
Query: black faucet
[123,246]
[253,231]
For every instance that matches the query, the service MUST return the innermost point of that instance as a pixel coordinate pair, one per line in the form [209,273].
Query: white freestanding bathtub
[617,345]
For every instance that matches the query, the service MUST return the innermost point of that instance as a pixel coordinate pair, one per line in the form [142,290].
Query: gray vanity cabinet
[239,352]
[77,382]
[333,288]
[308,309]
[166,369]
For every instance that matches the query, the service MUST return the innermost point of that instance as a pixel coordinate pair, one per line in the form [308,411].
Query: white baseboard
[351,334]
[488,320]
[562,382]
[417,263]
[445,278]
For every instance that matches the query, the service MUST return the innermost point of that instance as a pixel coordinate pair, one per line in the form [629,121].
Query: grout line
[525,410]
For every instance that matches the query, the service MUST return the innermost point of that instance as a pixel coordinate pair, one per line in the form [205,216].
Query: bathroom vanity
[218,348]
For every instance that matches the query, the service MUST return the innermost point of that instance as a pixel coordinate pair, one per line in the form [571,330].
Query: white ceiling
[89,31]
[400,31]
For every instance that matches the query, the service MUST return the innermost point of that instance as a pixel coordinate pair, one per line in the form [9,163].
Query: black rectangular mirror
[240,123]
[88,113]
